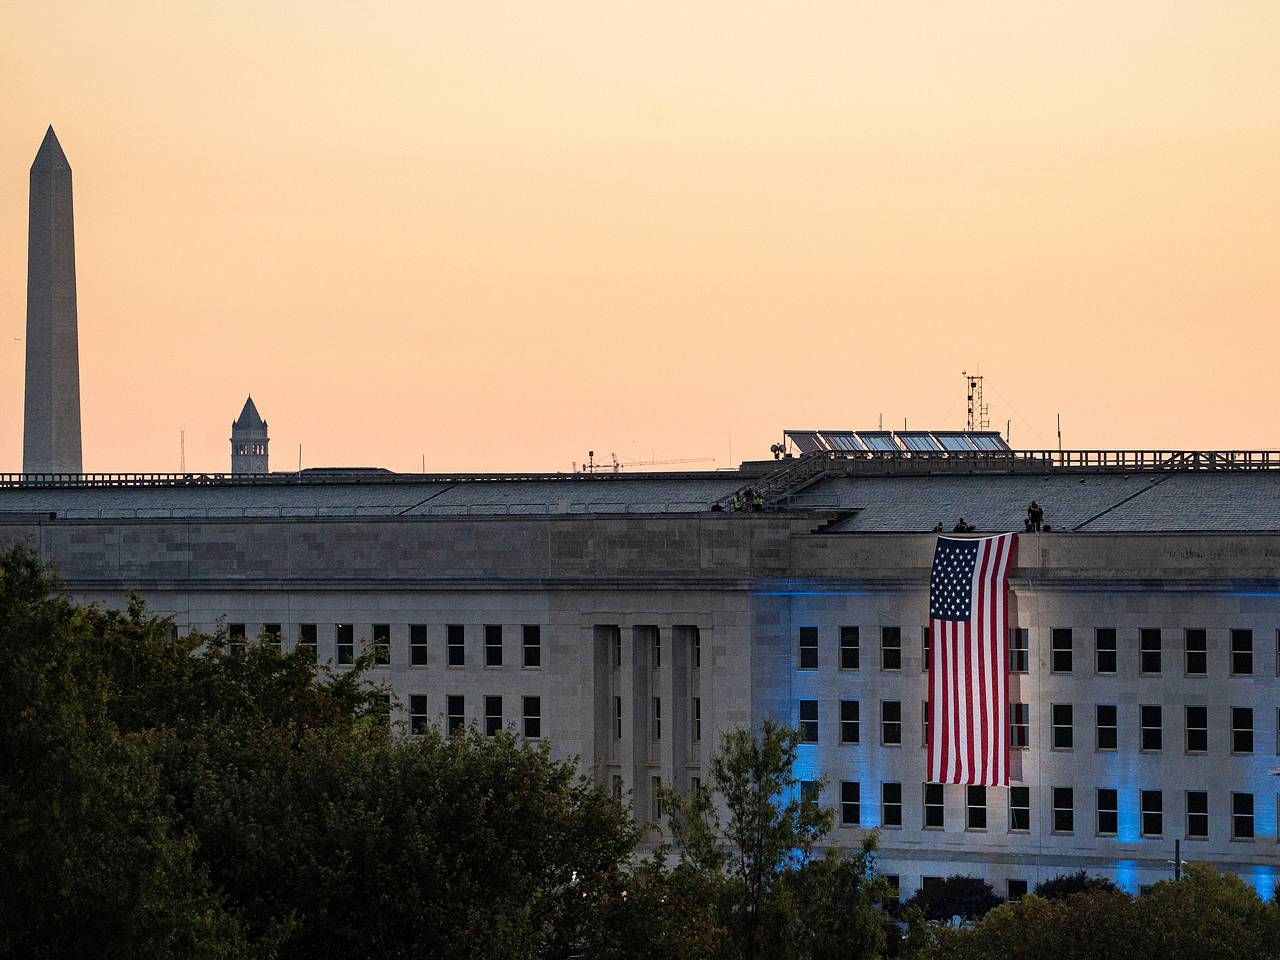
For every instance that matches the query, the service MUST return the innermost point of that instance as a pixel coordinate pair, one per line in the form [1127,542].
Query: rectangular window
[617,718]
[657,798]
[924,649]
[891,804]
[850,803]
[382,643]
[417,645]
[454,638]
[1241,653]
[933,806]
[455,710]
[695,652]
[695,786]
[1104,639]
[1151,805]
[975,806]
[617,647]
[417,713]
[1017,889]
[657,718]
[697,719]
[1197,815]
[307,640]
[532,717]
[1152,727]
[1063,727]
[531,645]
[492,645]
[236,639]
[808,721]
[344,642]
[1149,653]
[849,726]
[809,792]
[1197,729]
[657,649]
[808,648]
[492,715]
[1108,813]
[617,788]
[1197,653]
[925,723]
[1060,661]
[1019,650]
[1019,809]
[895,887]
[848,648]
[1242,730]
[890,648]
[891,722]
[1242,816]
[273,632]
[1019,726]
[1107,738]
[1064,810]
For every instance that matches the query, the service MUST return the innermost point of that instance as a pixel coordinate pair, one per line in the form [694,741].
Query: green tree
[956,896]
[1069,884]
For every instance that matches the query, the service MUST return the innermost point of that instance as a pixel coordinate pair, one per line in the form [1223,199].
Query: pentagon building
[630,618]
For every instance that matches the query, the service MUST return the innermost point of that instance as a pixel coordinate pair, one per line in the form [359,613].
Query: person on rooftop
[1035,517]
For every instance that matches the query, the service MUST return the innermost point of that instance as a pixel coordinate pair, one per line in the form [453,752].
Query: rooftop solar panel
[988,441]
[918,441]
[879,440]
[841,440]
[806,441]
[955,442]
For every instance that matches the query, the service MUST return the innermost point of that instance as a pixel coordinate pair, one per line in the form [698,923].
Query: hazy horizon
[501,235]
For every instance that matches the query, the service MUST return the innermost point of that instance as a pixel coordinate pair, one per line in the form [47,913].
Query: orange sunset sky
[501,234]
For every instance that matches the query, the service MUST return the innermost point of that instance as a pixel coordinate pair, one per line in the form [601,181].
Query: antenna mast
[182,451]
[978,412]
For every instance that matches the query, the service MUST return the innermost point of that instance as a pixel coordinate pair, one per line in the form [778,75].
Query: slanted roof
[249,418]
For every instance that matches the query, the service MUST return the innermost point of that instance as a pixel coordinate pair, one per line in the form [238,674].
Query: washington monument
[51,428]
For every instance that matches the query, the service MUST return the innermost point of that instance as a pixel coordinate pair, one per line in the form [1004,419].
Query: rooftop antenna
[977,415]
[182,451]
[1008,431]
[299,458]
[1059,433]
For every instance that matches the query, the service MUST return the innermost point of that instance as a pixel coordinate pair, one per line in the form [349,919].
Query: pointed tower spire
[249,441]
[51,422]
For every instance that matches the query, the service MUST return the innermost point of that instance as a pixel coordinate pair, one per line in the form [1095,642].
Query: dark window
[307,639]
[849,731]
[1152,808]
[1063,728]
[382,643]
[533,717]
[1197,815]
[1064,810]
[657,798]
[890,648]
[933,806]
[455,710]
[1197,729]
[617,718]
[850,803]
[1152,727]
[926,724]
[1019,650]
[1149,656]
[657,649]
[1106,727]
[1108,812]
[1242,816]
[417,713]
[894,886]
[1241,653]
[809,792]
[236,639]
[808,648]
[418,645]
[695,652]
[531,645]
[454,641]
[492,715]
[617,646]
[697,719]
[1105,642]
[1242,730]
[1019,809]
[492,645]
[1019,725]
[891,722]
[808,721]
[924,649]
[344,641]
[657,718]
[1017,890]
[848,648]
[975,805]
[1197,653]
[891,804]
[1061,650]
[273,632]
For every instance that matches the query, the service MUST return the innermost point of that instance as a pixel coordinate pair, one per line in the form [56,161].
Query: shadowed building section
[51,429]
[249,441]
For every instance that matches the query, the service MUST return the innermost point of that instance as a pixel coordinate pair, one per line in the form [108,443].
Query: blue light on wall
[1263,880]
[1127,876]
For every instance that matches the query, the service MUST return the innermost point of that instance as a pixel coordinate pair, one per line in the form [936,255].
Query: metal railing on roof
[320,478]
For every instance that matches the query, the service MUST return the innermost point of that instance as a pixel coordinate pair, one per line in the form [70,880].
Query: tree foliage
[1069,884]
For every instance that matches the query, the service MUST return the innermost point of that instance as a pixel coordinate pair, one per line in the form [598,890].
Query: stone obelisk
[51,429]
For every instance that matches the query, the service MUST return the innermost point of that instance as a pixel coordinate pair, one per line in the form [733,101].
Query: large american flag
[968,660]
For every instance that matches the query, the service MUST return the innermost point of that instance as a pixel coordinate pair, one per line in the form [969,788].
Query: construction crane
[618,467]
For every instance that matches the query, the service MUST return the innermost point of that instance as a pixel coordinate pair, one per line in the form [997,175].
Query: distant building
[249,441]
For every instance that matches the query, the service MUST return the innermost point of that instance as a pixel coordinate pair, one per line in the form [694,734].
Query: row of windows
[1062,717]
[1061,652]
[1063,799]
[456,711]
[655,648]
[380,642]
[655,719]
